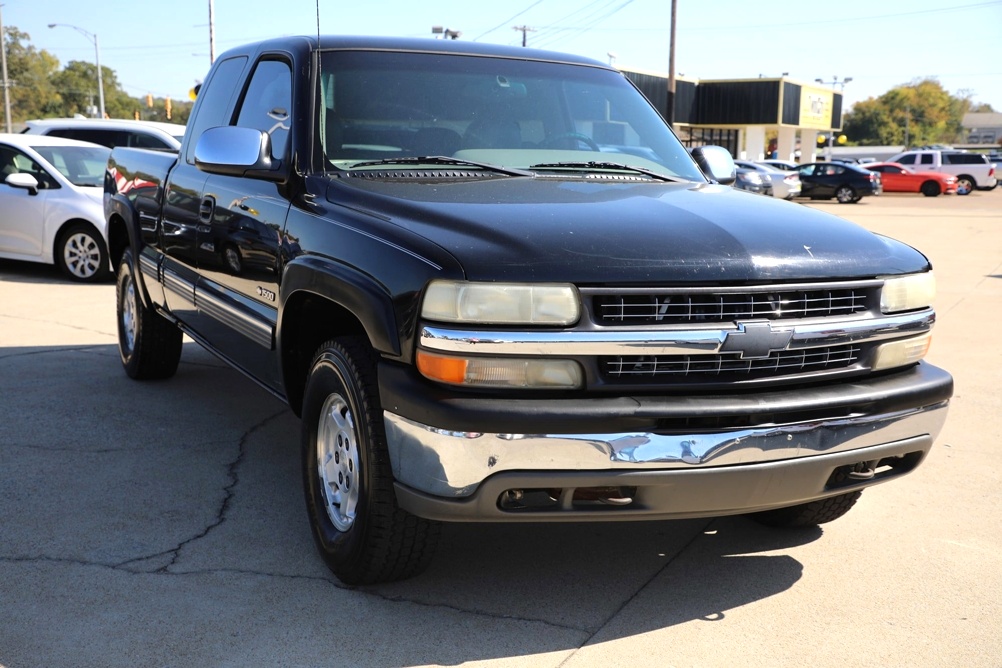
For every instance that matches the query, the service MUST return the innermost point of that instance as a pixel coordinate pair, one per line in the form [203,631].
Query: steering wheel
[550,141]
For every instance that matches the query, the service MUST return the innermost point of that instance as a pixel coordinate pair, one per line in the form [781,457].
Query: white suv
[973,170]
[111,132]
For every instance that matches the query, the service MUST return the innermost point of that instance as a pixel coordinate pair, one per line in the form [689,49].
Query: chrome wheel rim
[337,462]
[964,187]
[844,195]
[129,323]
[82,255]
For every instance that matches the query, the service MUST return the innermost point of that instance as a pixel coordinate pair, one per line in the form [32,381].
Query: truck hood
[600,231]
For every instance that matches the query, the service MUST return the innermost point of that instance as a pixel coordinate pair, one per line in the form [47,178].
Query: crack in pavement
[229,492]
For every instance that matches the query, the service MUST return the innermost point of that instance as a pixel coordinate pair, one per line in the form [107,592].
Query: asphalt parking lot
[162,524]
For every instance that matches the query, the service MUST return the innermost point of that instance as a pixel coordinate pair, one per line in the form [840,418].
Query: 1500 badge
[265,294]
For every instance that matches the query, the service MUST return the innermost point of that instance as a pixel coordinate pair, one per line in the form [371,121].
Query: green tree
[921,112]
[77,86]
[32,94]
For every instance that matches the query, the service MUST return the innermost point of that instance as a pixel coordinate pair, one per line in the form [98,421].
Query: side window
[213,102]
[907,159]
[926,158]
[13,161]
[268,103]
[109,138]
[146,141]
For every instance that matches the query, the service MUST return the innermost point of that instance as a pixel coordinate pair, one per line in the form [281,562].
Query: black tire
[80,253]
[361,533]
[966,184]
[931,189]
[846,195]
[810,514]
[148,343]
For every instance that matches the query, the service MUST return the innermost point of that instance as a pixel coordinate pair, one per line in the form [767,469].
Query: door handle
[205,209]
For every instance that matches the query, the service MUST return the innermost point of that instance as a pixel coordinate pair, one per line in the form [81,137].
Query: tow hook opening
[872,470]
[566,498]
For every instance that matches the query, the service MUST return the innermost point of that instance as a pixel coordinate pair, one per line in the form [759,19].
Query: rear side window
[214,102]
[109,138]
[964,159]
[140,140]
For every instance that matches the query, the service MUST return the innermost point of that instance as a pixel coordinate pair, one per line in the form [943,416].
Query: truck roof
[418,45]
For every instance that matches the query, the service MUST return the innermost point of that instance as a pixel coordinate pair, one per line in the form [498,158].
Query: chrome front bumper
[461,474]
[453,464]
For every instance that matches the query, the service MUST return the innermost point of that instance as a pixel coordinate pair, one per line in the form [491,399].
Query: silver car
[784,184]
[52,204]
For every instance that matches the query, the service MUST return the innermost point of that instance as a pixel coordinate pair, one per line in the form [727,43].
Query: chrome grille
[659,308]
[727,366]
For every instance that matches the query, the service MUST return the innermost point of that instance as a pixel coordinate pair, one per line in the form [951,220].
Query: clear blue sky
[163,48]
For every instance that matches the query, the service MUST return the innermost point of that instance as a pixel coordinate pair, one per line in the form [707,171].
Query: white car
[111,132]
[52,204]
[785,185]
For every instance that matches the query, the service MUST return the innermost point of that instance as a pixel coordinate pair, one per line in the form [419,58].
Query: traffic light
[167,107]
[149,100]
[135,114]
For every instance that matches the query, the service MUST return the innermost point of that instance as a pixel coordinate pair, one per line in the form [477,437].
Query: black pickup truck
[496,288]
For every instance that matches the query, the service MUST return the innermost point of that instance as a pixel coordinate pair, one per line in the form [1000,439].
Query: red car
[899,179]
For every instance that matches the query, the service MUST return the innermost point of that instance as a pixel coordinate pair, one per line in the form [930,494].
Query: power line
[507,21]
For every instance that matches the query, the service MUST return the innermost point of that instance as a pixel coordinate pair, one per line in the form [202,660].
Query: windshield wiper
[443,160]
[604,165]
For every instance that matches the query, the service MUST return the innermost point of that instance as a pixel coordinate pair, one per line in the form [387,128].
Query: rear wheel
[930,189]
[808,514]
[965,184]
[846,195]
[361,533]
[148,343]
[80,253]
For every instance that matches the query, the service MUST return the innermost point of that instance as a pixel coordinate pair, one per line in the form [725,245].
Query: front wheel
[846,195]
[808,515]
[80,253]
[965,184]
[361,533]
[930,189]
[148,343]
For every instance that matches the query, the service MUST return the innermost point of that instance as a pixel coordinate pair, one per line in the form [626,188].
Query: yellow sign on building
[816,108]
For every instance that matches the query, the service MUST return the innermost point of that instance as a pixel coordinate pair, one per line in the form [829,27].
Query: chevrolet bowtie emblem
[756,340]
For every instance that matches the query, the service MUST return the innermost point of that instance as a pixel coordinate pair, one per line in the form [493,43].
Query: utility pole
[670,112]
[6,83]
[212,34]
[524,30]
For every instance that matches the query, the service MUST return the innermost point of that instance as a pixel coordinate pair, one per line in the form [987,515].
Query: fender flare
[349,288]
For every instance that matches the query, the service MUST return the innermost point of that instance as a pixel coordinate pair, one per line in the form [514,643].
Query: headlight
[537,373]
[500,303]
[908,293]
[901,353]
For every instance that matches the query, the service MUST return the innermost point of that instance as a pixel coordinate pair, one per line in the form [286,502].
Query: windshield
[81,165]
[382,106]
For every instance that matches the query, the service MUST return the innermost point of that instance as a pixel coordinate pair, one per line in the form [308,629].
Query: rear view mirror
[25,181]
[716,163]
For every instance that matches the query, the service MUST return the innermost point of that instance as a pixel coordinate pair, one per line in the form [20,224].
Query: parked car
[752,181]
[51,203]
[784,165]
[896,178]
[973,170]
[846,183]
[784,184]
[111,132]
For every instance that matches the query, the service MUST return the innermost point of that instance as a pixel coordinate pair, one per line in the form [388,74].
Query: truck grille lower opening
[566,498]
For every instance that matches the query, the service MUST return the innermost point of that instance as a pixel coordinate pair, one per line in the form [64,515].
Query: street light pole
[6,84]
[834,82]
[97,58]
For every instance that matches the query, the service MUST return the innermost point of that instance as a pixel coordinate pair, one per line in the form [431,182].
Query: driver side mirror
[25,181]
[716,163]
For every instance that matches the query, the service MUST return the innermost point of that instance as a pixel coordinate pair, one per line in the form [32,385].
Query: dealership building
[743,114]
